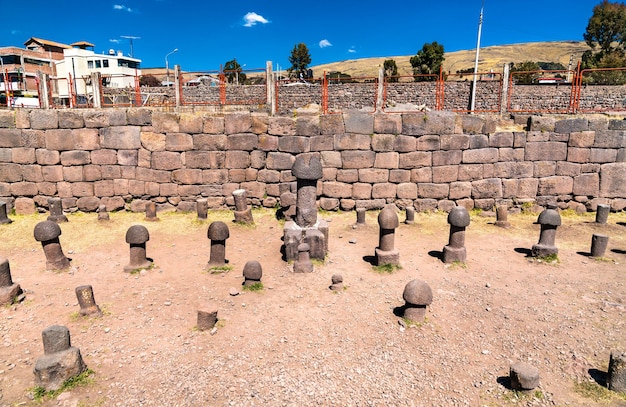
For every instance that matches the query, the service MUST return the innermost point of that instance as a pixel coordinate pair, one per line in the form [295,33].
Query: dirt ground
[296,342]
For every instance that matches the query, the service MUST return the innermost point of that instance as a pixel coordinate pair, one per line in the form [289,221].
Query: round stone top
[47,230]
[238,192]
[388,219]
[549,217]
[252,270]
[304,247]
[336,279]
[307,166]
[417,292]
[459,217]
[218,231]
[137,234]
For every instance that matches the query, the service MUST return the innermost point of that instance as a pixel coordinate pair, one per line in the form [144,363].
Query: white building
[117,70]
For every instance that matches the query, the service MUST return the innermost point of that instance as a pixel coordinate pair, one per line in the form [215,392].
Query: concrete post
[96,80]
[177,85]
[504,101]
[271,88]
[43,90]
[379,90]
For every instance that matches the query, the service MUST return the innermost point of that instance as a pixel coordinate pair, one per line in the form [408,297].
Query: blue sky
[207,33]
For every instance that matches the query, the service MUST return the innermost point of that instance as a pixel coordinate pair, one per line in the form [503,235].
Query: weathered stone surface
[357,159]
[612,178]
[44,119]
[557,185]
[541,123]
[427,143]
[433,191]
[352,141]
[383,142]
[387,124]
[281,126]
[294,144]
[308,125]
[358,122]
[481,155]
[435,122]
[243,141]
[602,155]
[582,139]
[487,188]
[544,151]
[571,125]
[120,137]
[337,190]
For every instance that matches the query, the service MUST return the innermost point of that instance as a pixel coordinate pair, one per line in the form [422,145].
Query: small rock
[233,292]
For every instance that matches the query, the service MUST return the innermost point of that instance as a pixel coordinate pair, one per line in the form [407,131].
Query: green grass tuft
[386,268]
[596,392]
[40,394]
[253,287]
[220,269]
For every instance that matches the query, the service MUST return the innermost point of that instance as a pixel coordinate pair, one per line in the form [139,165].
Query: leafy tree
[528,72]
[390,70]
[233,73]
[149,80]
[601,60]
[607,26]
[551,66]
[300,60]
[428,60]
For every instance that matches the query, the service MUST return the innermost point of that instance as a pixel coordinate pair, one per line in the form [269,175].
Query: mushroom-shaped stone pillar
[307,169]
[48,232]
[549,220]
[218,233]
[136,237]
[417,296]
[459,219]
[252,272]
[56,210]
[386,252]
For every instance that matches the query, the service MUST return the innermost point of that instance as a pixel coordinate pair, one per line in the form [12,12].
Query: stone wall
[124,157]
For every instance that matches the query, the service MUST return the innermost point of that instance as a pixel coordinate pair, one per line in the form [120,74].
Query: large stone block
[59,139]
[435,122]
[446,173]
[415,159]
[351,175]
[75,157]
[332,124]
[387,160]
[487,188]
[587,185]
[556,185]
[24,189]
[10,138]
[358,122]
[571,125]
[460,190]
[399,176]
[165,122]
[85,139]
[449,157]
[480,156]
[384,190]
[73,174]
[178,142]
[454,141]
[471,124]
[582,139]
[603,155]
[610,139]
[7,118]
[541,123]
[546,151]
[204,159]
[427,143]
[210,142]
[373,175]
[69,119]
[102,157]
[219,176]
[80,189]
[322,143]
[352,141]
[478,141]
[237,159]
[513,170]
[501,139]
[32,173]
[294,144]
[166,160]
[612,178]
[187,176]
[308,126]
[104,188]
[120,137]
[244,141]
[44,119]
[387,124]
[213,125]
[357,159]
[10,172]
[23,155]
[190,123]
[279,161]
[281,126]
[139,116]
[361,191]
[407,190]
[383,142]
[128,157]
[336,189]
[405,144]
[433,191]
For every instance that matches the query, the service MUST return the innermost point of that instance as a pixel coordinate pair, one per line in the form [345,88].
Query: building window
[105,63]
[98,63]
[90,64]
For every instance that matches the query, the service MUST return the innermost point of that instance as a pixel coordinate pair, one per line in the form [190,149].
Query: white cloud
[15,32]
[114,40]
[252,18]
[325,43]
[352,50]
[123,8]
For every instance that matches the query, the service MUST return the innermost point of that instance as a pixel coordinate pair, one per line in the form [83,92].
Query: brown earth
[297,343]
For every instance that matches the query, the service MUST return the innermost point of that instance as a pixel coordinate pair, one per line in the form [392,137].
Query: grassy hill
[489,58]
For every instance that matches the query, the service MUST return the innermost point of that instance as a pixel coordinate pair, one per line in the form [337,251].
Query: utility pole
[130,39]
[480,26]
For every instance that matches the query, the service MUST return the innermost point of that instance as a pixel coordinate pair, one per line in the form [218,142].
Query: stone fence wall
[123,158]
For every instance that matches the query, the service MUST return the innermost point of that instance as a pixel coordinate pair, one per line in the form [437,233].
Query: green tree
[299,60]
[528,72]
[428,60]
[232,71]
[390,70]
[149,80]
[607,27]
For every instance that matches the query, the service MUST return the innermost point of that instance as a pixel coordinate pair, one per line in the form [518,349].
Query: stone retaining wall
[124,157]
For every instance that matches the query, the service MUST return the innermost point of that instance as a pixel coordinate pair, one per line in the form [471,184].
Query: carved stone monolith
[218,233]
[549,219]
[60,362]
[243,213]
[386,253]
[87,302]
[4,219]
[55,206]
[455,250]
[48,232]
[136,237]
[9,291]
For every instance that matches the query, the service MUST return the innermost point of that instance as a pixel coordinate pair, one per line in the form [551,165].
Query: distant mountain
[490,58]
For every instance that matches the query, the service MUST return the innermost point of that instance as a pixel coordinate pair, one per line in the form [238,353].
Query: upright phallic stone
[207,318]
[409,215]
[218,233]
[455,250]
[360,216]
[4,219]
[502,214]
[386,253]
[599,244]
[243,214]
[307,169]
[151,212]
[523,376]
[602,213]
[616,376]
[60,361]
[56,210]
[136,237]
[9,291]
[48,232]
[103,214]
[202,208]
[549,219]
[303,264]
[417,296]
[87,302]
[337,282]
[252,273]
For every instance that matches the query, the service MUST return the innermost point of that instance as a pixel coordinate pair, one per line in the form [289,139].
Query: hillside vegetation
[490,58]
